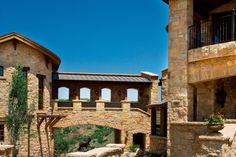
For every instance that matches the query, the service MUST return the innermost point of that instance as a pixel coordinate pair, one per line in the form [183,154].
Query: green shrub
[133,147]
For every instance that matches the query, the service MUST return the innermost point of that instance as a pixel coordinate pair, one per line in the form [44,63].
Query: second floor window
[40,91]
[1,71]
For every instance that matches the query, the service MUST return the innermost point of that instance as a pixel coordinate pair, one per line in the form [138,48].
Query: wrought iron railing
[220,29]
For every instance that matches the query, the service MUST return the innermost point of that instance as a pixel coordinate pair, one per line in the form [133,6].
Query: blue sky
[105,36]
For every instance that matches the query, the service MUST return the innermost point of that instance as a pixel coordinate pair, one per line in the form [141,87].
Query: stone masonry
[17,50]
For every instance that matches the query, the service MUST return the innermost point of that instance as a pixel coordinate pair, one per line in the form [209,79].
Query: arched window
[63,94]
[106,94]
[132,95]
[1,71]
[85,94]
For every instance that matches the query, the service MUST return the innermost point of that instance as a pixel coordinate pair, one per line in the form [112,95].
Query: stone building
[130,118]
[200,78]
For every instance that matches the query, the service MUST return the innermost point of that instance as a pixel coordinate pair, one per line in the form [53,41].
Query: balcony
[218,30]
[99,105]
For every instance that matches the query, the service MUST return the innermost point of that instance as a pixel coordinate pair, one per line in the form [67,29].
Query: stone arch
[132,122]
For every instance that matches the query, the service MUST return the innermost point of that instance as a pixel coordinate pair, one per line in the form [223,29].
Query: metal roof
[100,77]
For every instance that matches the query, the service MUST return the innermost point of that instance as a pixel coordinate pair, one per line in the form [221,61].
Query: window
[85,94]
[63,94]
[159,120]
[40,90]
[1,71]
[106,94]
[132,95]
[1,132]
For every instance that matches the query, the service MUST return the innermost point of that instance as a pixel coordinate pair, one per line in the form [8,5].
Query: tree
[18,110]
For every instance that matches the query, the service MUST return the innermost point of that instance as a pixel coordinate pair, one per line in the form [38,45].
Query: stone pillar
[180,18]
[100,105]
[77,105]
[164,85]
[55,106]
[154,87]
[125,105]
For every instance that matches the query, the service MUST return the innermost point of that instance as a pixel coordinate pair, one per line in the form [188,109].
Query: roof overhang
[17,37]
[98,77]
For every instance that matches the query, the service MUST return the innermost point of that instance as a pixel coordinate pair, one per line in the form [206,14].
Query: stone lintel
[213,138]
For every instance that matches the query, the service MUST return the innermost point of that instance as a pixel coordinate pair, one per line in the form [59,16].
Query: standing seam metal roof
[100,77]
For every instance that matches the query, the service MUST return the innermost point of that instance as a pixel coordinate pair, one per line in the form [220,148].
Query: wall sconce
[96,92]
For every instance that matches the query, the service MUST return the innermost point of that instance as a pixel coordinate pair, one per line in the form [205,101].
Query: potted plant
[215,122]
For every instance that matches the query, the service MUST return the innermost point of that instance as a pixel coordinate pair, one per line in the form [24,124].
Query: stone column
[100,105]
[55,107]
[125,105]
[77,105]
[154,87]
[180,18]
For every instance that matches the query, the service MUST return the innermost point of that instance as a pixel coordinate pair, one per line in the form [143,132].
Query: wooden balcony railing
[219,30]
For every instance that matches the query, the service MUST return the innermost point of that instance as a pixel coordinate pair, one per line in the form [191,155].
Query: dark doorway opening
[139,139]
[117,136]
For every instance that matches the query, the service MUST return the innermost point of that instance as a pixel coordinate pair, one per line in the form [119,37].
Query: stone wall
[27,57]
[158,144]
[206,98]
[164,86]
[183,138]
[128,122]
[180,17]
[212,62]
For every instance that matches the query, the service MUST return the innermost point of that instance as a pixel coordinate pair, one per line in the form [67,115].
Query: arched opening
[106,94]
[63,94]
[64,97]
[85,94]
[83,138]
[132,95]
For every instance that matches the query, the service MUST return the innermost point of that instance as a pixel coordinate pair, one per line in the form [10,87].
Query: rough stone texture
[164,86]
[191,139]
[129,122]
[27,57]
[182,138]
[212,62]
[98,152]
[158,144]
[180,12]
[206,98]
